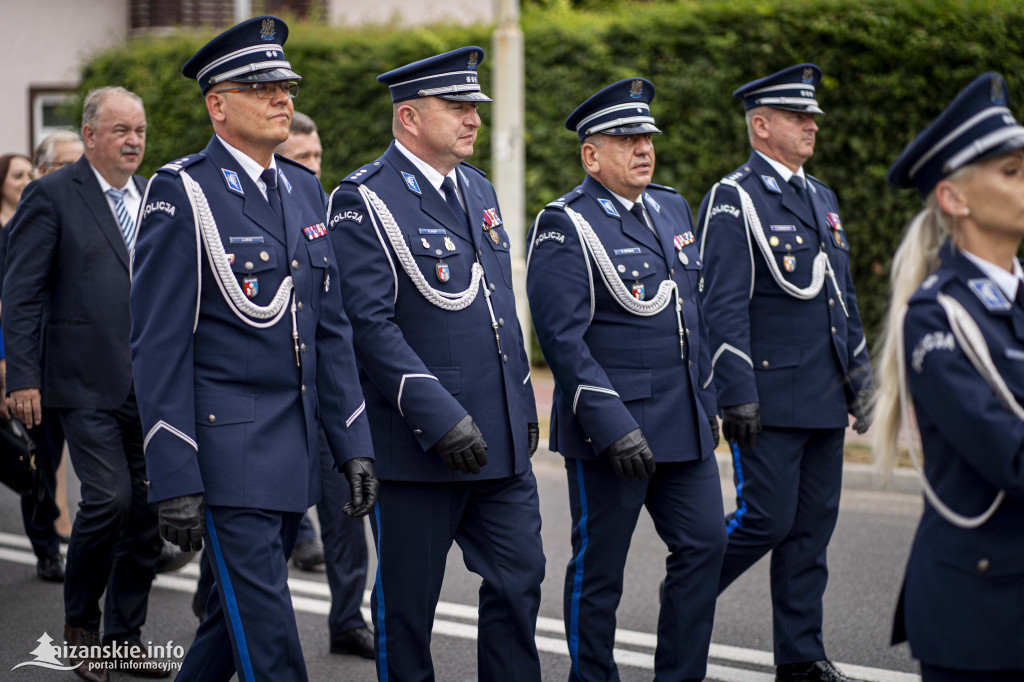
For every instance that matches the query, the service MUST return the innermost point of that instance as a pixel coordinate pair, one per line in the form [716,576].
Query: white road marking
[313,597]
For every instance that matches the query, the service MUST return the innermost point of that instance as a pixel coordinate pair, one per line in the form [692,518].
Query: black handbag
[17,458]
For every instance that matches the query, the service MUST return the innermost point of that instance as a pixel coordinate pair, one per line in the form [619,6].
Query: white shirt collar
[249,165]
[429,172]
[781,169]
[624,201]
[1006,281]
[131,191]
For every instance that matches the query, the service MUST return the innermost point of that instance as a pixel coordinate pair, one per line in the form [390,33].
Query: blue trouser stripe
[231,604]
[577,583]
[382,637]
[741,508]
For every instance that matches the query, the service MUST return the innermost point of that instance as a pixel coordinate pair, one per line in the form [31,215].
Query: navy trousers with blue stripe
[787,502]
[250,625]
[496,523]
[684,500]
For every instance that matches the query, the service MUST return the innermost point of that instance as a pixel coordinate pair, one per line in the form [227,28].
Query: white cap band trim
[447,89]
[433,76]
[251,49]
[982,145]
[619,122]
[783,86]
[618,107]
[251,68]
[957,132]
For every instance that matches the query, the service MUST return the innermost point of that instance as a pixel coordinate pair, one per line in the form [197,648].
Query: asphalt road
[866,561]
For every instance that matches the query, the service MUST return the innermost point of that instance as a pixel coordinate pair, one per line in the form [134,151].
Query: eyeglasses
[54,165]
[267,90]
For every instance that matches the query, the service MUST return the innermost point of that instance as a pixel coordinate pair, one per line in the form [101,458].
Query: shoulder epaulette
[932,285]
[174,167]
[663,187]
[565,199]
[469,165]
[294,164]
[359,176]
[739,175]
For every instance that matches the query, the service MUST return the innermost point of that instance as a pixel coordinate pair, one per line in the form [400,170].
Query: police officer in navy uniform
[788,354]
[427,282]
[955,339]
[613,276]
[239,344]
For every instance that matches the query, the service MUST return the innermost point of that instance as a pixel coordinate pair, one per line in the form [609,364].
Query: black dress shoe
[812,671]
[51,568]
[86,641]
[308,555]
[358,642]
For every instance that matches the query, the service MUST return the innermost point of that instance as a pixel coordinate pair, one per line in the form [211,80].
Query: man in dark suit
[632,414]
[68,264]
[427,282]
[789,354]
[241,347]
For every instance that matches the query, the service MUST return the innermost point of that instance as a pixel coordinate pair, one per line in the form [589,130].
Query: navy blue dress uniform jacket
[809,356]
[963,600]
[68,265]
[424,368]
[614,370]
[225,407]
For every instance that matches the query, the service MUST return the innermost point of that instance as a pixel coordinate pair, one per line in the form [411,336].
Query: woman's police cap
[249,52]
[622,108]
[451,76]
[792,89]
[977,125]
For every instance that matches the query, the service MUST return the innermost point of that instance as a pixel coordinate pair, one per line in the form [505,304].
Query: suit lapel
[786,194]
[606,204]
[96,203]
[474,208]
[255,206]
[431,201]
[292,214]
[662,228]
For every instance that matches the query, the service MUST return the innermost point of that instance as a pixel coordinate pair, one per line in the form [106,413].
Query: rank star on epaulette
[315,231]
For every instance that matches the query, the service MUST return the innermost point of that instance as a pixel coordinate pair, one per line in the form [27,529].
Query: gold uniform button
[501,321]
[248,265]
[773,240]
[295,265]
[983,565]
[303,347]
[636,273]
[504,358]
[303,389]
[325,260]
[300,306]
[212,418]
[264,256]
[764,363]
[799,239]
[438,252]
[789,247]
[833,330]
[493,287]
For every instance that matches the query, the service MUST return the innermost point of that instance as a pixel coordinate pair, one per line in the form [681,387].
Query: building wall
[48,40]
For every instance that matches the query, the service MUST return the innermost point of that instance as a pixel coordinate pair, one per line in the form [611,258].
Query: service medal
[638,291]
[789,263]
[442,271]
[449,245]
[251,286]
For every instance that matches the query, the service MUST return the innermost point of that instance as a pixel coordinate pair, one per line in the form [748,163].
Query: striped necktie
[124,218]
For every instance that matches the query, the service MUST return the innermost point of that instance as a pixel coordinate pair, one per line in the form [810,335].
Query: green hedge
[889,67]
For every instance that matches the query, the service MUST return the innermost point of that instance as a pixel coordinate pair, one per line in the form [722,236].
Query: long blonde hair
[916,258]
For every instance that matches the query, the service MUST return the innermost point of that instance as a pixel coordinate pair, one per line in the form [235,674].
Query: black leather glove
[713,422]
[741,424]
[182,521]
[363,483]
[533,437]
[630,455]
[463,448]
[862,410]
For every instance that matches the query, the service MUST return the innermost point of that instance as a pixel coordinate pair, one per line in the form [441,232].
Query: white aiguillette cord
[261,317]
[972,341]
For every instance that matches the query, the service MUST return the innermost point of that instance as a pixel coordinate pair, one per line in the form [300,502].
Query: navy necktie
[801,191]
[638,213]
[452,199]
[269,177]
